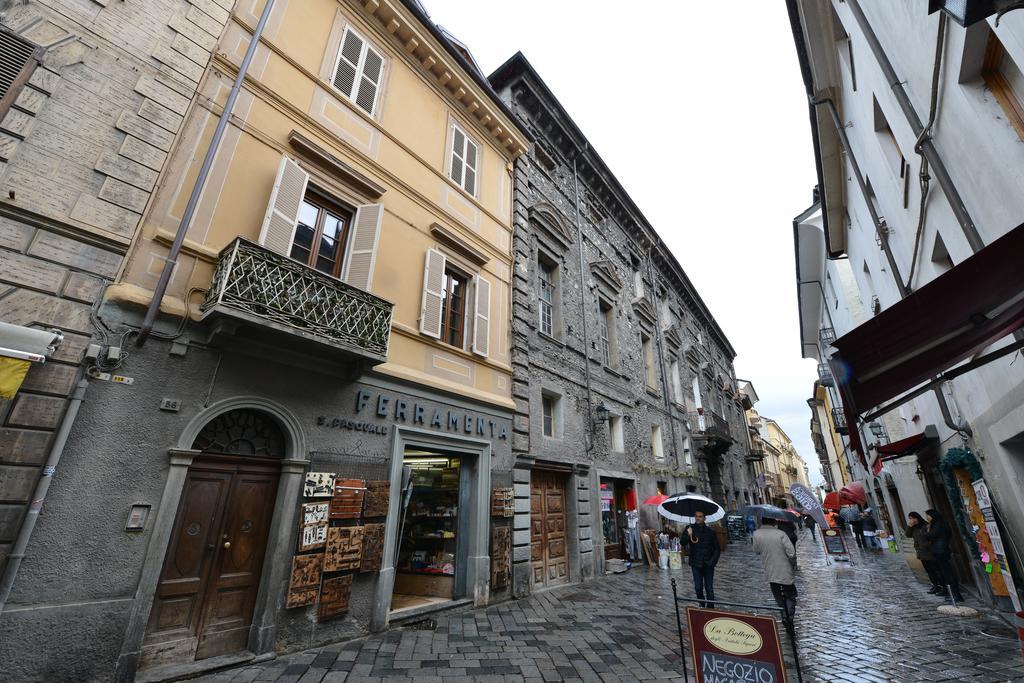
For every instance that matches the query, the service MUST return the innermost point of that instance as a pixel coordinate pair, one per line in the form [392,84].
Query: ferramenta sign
[732,647]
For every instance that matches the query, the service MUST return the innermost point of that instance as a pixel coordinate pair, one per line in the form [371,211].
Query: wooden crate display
[373,548]
[378,495]
[501,552]
[334,596]
[305,579]
[344,548]
[347,502]
[502,502]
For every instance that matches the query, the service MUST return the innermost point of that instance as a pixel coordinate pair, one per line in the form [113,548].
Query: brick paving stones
[869,622]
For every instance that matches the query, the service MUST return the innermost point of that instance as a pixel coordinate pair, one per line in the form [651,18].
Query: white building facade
[918,127]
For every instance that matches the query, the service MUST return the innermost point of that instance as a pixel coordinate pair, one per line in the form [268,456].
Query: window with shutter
[359,71]
[431,309]
[463,161]
[18,59]
[279,223]
[362,250]
[482,320]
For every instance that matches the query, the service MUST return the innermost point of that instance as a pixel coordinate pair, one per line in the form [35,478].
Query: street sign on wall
[732,647]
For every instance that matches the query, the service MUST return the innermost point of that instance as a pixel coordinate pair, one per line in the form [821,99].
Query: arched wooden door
[205,599]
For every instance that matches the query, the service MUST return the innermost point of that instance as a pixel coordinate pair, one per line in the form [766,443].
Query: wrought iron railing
[825,375]
[261,283]
[756,453]
[839,420]
[710,423]
[827,336]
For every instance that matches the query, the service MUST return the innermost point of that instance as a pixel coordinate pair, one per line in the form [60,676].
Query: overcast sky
[703,119]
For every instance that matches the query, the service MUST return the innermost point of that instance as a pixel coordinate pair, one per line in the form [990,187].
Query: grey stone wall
[81,149]
[616,245]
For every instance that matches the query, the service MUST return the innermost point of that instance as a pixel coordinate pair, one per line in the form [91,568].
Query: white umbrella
[682,507]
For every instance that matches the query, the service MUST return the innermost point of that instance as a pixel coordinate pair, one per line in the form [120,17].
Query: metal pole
[52,460]
[791,629]
[679,628]
[197,188]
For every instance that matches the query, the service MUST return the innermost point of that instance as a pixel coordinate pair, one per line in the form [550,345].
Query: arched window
[242,432]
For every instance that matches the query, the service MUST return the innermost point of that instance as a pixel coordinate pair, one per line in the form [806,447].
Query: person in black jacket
[940,538]
[704,553]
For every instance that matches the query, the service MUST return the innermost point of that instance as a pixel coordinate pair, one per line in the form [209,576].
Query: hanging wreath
[960,458]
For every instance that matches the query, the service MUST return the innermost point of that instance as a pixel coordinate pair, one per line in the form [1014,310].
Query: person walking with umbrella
[704,553]
[778,558]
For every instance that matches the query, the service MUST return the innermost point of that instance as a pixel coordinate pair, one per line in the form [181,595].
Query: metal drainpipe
[883,235]
[956,202]
[661,352]
[197,189]
[52,460]
[583,309]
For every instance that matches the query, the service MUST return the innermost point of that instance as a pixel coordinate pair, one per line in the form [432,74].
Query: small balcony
[282,303]
[756,453]
[710,424]
[825,375]
[827,336]
[839,421]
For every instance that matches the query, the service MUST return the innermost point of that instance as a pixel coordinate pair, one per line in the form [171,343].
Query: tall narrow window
[687,455]
[648,352]
[657,447]
[1003,76]
[638,283]
[606,327]
[546,295]
[359,71]
[320,234]
[548,408]
[463,161]
[677,383]
[668,318]
[453,309]
[616,442]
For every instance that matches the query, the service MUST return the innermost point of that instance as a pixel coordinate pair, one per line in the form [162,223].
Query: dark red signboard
[834,543]
[732,647]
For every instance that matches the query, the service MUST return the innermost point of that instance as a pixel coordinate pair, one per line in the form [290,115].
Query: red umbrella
[854,493]
[831,501]
[656,499]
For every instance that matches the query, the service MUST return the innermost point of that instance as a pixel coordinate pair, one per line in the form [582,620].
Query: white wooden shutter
[282,215]
[369,82]
[349,56]
[433,293]
[469,176]
[362,246]
[482,317]
[458,149]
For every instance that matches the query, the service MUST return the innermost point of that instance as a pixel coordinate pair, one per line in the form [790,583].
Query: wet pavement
[872,621]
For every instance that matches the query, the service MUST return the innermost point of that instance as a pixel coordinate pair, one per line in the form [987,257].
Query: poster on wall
[344,548]
[318,485]
[995,540]
[334,596]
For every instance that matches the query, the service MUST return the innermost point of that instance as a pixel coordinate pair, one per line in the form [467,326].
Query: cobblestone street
[622,628]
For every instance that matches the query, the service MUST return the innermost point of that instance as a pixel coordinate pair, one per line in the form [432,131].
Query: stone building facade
[623,381]
[97,95]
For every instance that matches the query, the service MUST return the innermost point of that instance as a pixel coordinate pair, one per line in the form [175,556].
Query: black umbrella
[771,512]
[683,506]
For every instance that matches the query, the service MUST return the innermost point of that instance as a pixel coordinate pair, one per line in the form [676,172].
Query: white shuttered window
[464,158]
[359,71]
[278,229]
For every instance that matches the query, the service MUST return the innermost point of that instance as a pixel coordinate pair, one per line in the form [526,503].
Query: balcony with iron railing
[825,375]
[839,421]
[288,304]
[710,424]
[827,336]
[756,453]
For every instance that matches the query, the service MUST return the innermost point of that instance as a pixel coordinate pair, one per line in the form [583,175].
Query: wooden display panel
[344,548]
[305,579]
[501,552]
[373,548]
[334,597]
[347,502]
[502,502]
[378,496]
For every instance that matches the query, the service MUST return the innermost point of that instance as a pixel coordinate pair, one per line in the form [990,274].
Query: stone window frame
[549,258]
[557,414]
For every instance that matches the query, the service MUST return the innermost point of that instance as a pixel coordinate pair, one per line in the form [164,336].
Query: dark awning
[952,317]
[901,447]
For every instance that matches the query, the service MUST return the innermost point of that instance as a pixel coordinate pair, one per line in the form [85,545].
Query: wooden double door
[548,550]
[205,599]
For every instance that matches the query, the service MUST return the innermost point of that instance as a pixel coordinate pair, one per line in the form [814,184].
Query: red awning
[952,317]
[901,447]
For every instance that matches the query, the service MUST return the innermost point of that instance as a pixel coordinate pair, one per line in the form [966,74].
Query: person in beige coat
[778,557]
